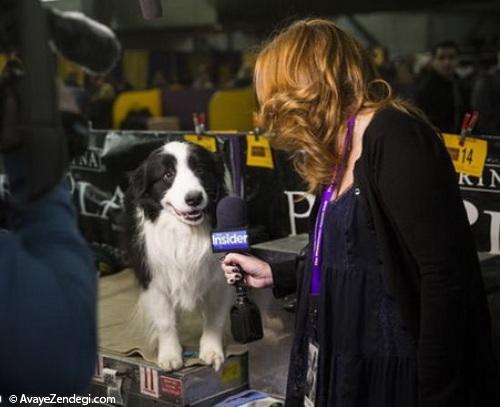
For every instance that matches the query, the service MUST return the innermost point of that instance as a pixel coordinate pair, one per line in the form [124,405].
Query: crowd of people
[439,88]
[444,94]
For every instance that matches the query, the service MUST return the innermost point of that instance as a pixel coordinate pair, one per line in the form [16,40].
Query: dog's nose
[194,198]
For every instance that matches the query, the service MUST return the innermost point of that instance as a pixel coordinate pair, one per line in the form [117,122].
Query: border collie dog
[169,212]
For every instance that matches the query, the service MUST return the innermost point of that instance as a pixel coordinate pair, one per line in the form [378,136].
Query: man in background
[440,92]
[486,100]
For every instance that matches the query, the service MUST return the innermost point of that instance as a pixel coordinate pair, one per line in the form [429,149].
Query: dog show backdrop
[481,196]
[482,200]
[99,180]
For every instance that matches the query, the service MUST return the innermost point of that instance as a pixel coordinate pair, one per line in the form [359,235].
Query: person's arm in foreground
[47,298]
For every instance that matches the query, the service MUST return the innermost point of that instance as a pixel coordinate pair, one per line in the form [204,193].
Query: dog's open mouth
[191,217]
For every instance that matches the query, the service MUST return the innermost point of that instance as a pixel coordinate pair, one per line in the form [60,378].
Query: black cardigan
[430,263]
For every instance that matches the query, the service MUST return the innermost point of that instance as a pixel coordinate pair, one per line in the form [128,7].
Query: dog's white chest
[180,260]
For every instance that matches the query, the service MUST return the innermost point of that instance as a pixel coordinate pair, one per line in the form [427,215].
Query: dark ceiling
[267,11]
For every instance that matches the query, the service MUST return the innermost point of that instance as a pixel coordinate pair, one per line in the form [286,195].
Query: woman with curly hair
[391,307]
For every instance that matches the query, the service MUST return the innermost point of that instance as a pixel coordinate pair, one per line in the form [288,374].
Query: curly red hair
[309,79]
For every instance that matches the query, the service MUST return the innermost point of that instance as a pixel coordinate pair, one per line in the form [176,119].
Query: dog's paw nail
[170,362]
[213,358]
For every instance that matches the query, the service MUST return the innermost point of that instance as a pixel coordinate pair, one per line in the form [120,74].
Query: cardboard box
[137,383]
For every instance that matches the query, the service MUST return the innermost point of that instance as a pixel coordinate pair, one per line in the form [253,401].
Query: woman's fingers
[234,276]
[229,269]
[234,258]
[231,274]
[249,264]
[252,271]
[232,279]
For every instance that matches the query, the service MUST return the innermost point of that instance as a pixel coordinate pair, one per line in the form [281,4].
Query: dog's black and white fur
[170,209]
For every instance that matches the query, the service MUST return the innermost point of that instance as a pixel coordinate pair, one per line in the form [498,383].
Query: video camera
[30,120]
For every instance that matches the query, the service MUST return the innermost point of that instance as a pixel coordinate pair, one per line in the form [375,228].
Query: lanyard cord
[325,199]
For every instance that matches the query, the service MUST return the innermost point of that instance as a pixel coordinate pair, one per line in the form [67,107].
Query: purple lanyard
[320,219]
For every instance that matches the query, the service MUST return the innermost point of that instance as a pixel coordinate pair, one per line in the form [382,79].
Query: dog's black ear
[138,182]
[138,190]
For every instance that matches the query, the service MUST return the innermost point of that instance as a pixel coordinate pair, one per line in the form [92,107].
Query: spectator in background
[404,79]
[440,92]
[244,77]
[102,96]
[203,80]
[158,80]
[122,85]
[383,65]
[486,100]
[72,85]
[174,84]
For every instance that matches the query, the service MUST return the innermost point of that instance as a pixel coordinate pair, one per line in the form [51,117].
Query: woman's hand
[257,273]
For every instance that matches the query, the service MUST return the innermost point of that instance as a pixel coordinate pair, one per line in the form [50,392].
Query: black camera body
[30,118]
[31,122]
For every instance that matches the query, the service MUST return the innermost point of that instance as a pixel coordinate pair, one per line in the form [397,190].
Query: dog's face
[181,178]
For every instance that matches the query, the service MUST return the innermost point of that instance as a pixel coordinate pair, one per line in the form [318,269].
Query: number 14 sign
[468,158]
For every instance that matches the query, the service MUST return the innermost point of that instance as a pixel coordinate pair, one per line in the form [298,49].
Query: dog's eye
[168,175]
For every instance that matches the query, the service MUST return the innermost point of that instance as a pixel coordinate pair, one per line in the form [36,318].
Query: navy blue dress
[367,358]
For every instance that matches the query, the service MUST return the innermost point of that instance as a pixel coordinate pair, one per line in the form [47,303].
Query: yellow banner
[259,152]
[206,142]
[468,158]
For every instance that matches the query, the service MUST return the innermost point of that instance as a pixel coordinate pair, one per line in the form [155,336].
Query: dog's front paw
[211,353]
[169,361]
[212,357]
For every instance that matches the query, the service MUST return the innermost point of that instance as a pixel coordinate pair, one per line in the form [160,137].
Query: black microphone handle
[241,289]
[246,321]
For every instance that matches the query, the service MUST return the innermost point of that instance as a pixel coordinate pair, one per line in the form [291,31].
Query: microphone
[151,9]
[84,41]
[231,235]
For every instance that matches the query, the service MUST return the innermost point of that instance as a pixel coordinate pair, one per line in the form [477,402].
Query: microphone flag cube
[230,241]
